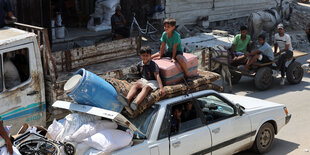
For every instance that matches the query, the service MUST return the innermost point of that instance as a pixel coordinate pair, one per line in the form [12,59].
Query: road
[294,138]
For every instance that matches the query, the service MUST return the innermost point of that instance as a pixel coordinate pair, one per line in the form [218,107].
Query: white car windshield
[145,120]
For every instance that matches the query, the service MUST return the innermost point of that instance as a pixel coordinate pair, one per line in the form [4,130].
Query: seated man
[118,23]
[240,46]
[189,112]
[11,75]
[283,41]
[263,54]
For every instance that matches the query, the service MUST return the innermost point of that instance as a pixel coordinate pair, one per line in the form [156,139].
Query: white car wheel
[264,138]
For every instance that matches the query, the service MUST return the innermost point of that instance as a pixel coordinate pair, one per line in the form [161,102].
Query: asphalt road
[294,138]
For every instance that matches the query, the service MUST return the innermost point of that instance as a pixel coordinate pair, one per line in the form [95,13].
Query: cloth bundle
[202,82]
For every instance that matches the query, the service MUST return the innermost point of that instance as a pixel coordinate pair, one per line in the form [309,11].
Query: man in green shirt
[6,138]
[240,45]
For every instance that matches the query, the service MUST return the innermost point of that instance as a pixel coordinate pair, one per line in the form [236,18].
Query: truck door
[188,132]
[22,88]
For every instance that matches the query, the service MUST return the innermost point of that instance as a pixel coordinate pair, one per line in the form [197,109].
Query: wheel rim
[267,79]
[37,147]
[265,138]
[297,73]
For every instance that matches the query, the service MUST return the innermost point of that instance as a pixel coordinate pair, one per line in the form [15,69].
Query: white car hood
[250,103]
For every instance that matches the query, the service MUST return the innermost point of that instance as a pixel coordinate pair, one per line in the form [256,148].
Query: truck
[32,77]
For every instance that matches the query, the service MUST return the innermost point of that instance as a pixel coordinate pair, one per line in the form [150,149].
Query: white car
[204,122]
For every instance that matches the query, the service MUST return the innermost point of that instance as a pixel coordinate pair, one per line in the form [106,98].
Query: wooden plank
[94,60]
[296,54]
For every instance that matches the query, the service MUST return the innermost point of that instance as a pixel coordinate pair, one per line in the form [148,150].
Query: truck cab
[22,93]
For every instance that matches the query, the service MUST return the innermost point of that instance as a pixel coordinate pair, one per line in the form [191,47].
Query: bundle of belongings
[202,81]
[90,134]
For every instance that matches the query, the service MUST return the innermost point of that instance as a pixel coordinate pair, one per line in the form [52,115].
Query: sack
[109,140]
[54,129]
[89,129]
[93,152]
[3,151]
[75,121]
[81,148]
[8,131]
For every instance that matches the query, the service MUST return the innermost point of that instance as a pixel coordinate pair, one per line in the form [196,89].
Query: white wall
[187,11]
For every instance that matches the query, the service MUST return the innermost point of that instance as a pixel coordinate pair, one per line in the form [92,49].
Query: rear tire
[264,138]
[294,73]
[263,78]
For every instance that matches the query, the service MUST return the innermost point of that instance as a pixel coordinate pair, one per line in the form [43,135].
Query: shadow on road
[246,84]
[279,147]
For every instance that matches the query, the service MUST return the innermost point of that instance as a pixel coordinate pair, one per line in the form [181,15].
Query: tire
[294,73]
[235,77]
[69,148]
[263,78]
[38,147]
[156,36]
[264,138]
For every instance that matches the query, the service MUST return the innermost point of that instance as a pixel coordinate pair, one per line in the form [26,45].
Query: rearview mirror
[240,110]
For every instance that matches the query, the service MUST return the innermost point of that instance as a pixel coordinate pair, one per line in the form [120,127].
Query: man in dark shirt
[189,112]
[118,23]
[150,79]
[6,11]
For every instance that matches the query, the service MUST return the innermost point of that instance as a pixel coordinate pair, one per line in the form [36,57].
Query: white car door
[192,136]
[230,132]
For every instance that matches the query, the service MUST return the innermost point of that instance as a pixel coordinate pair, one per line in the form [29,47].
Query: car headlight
[286,111]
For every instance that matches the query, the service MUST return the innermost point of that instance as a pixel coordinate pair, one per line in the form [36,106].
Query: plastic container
[87,88]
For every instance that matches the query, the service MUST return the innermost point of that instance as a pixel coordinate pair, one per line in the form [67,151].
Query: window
[215,108]
[15,68]
[182,117]
[144,121]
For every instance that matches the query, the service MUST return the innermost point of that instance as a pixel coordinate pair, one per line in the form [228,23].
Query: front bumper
[288,118]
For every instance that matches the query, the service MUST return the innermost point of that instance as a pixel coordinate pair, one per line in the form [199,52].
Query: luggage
[172,73]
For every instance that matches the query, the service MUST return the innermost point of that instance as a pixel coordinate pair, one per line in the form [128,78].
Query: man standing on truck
[6,13]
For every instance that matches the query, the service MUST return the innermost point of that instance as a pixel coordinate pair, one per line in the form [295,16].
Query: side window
[180,118]
[214,108]
[15,68]
[184,117]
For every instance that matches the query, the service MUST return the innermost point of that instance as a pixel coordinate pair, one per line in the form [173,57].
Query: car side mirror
[240,110]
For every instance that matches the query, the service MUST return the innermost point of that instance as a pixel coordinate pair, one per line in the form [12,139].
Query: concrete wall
[187,11]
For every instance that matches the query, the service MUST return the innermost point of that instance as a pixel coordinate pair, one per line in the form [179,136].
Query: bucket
[60,32]
[87,88]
